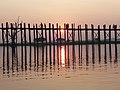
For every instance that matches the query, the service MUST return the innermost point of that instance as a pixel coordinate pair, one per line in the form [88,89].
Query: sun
[62,30]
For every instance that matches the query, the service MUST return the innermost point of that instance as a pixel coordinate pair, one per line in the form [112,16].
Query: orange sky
[71,11]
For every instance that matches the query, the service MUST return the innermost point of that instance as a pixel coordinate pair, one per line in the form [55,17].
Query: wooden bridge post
[16,32]
[29,34]
[72,33]
[50,54]
[3,39]
[34,34]
[73,43]
[78,35]
[57,44]
[86,39]
[25,41]
[46,44]
[99,46]
[60,34]
[65,40]
[12,42]
[12,35]
[45,33]
[53,32]
[104,27]
[79,41]
[115,28]
[30,61]
[7,33]
[67,27]
[42,32]
[53,44]
[50,33]
[65,33]
[110,52]
[21,46]
[21,34]
[34,45]
[37,45]
[93,48]
[36,29]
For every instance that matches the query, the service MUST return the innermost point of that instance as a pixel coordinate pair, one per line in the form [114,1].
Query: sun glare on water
[63,56]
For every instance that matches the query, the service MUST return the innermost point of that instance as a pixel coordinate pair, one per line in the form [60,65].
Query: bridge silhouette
[55,35]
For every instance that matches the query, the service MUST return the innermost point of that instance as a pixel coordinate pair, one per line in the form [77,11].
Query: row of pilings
[14,35]
[21,57]
[26,34]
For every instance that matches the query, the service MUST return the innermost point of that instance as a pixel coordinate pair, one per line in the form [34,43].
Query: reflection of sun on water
[63,56]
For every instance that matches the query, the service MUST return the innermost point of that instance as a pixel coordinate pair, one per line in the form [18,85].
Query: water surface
[59,68]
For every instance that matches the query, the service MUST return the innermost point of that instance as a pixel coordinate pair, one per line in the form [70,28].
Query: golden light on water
[63,56]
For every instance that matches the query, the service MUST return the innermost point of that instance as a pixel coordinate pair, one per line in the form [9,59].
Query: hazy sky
[71,11]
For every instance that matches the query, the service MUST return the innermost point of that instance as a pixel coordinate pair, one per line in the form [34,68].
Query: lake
[60,67]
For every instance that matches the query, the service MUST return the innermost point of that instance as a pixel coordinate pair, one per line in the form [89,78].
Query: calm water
[59,68]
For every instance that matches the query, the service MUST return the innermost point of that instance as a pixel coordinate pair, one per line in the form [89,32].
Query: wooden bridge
[26,34]
[40,35]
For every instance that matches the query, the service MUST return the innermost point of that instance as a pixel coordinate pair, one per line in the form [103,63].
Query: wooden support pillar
[3,38]
[115,28]
[50,54]
[105,50]
[57,44]
[93,48]
[12,36]
[86,40]
[53,32]
[53,44]
[50,33]
[29,34]
[25,41]
[21,46]
[80,34]
[65,33]
[37,45]
[110,51]
[7,40]
[42,33]
[16,33]
[72,33]
[60,34]
[79,41]
[34,33]
[67,28]
[45,33]
[99,46]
